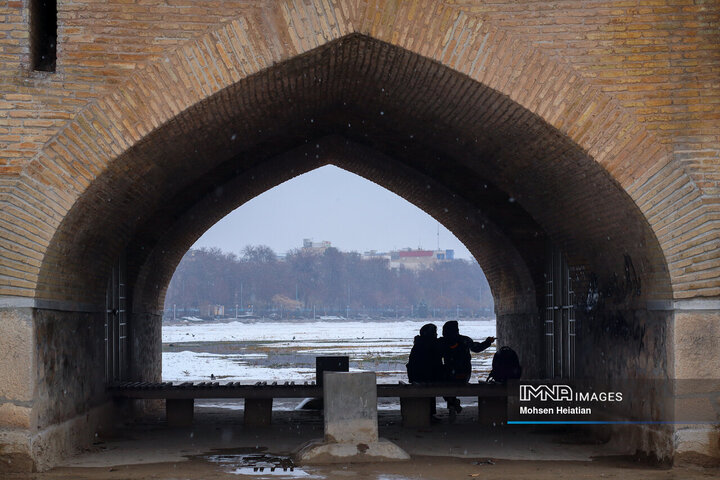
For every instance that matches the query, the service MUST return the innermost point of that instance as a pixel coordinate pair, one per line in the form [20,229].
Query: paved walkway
[219,446]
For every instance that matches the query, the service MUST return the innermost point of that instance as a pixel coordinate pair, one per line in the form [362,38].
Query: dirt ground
[218,446]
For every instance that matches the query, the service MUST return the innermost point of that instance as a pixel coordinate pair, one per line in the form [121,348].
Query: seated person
[455,350]
[425,363]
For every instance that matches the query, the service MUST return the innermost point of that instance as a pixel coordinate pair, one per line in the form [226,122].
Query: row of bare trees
[333,280]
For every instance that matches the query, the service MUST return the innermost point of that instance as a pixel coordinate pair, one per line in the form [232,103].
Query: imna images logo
[544,393]
[564,393]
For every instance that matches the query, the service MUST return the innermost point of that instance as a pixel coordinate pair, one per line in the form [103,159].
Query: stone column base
[697,446]
[318,452]
[22,452]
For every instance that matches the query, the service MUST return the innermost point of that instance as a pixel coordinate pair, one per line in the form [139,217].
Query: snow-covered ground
[314,331]
[285,351]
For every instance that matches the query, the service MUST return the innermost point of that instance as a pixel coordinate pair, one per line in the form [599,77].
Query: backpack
[505,365]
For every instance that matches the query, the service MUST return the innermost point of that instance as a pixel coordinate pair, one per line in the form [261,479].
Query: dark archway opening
[266,311]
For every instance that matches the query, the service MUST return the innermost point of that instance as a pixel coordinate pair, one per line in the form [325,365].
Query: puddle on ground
[259,464]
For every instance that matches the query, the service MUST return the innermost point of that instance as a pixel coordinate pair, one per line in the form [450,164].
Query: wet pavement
[218,446]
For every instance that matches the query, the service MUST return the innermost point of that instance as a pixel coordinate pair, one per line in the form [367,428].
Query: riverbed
[252,351]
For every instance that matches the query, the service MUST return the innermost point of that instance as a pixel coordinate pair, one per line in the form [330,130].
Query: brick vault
[156,123]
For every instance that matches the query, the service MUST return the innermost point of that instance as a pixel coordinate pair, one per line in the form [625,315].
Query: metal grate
[560,325]
[570,309]
[550,319]
[116,325]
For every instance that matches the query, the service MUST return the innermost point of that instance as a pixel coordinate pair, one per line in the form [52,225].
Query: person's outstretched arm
[480,346]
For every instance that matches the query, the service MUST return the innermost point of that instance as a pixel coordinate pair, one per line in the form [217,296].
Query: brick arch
[510,166]
[71,161]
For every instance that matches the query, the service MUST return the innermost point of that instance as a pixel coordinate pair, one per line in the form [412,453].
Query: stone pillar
[52,391]
[179,412]
[350,408]
[258,412]
[416,411]
[17,379]
[697,373]
[145,360]
[351,428]
[145,341]
[520,328]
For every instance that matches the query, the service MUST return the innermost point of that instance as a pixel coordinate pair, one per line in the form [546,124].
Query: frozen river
[286,351]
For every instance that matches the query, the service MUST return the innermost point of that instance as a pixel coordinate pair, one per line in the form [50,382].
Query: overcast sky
[329,204]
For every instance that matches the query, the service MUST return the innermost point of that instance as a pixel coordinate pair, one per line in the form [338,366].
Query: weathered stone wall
[696,358]
[524,334]
[54,400]
[145,348]
[16,387]
[145,359]
[631,352]
[69,364]
[631,343]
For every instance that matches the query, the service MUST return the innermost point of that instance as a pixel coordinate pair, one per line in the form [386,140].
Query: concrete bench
[180,398]
[415,399]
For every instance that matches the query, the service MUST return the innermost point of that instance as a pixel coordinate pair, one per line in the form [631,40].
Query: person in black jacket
[425,363]
[455,350]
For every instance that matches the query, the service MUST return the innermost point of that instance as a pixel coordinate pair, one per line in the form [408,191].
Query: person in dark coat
[425,362]
[455,351]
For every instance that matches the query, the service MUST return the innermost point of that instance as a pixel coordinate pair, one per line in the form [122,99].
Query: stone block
[696,410]
[16,355]
[351,428]
[318,452]
[702,441]
[350,407]
[697,335]
[15,455]
[53,443]
[14,416]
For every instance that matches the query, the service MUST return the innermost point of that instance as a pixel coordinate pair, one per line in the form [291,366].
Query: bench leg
[492,410]
[258,412]
[179,412]
[416,411]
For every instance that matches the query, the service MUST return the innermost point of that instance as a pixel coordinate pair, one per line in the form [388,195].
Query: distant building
[419,259]
[315,247]
[412,259]
[374,254]
[408,258]
[212,310]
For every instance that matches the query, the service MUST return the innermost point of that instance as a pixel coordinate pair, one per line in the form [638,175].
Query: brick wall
[99,47]
[649,70]
[658,58]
